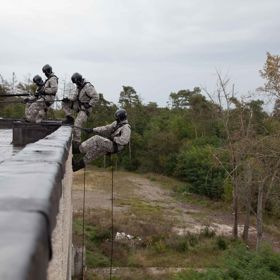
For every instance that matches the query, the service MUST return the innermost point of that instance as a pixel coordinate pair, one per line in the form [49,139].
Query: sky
[156,46]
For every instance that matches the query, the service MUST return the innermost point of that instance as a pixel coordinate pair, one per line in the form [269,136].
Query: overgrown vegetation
[241,264]
[158,246]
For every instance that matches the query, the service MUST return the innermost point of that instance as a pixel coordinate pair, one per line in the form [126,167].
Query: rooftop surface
[7,150]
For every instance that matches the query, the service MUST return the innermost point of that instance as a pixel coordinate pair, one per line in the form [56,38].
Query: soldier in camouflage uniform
[111,138]
[39,108]
[82,102]
[29,114]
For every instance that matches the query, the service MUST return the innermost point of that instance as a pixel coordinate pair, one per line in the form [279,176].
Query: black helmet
[47,69]
[38,80]
[120,115]
[77,78]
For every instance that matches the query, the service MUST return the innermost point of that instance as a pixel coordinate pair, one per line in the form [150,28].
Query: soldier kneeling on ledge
[30,115]
[111,139]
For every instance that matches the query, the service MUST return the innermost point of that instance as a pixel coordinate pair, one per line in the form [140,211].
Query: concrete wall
[36,210]
[60,265]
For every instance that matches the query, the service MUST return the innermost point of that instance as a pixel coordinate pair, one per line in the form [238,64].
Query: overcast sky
[156,46]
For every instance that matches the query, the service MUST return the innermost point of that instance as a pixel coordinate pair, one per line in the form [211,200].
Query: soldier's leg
[96,147]
[42,111]
[68,108]
[27,105]
[79,121]
[26,111]
[41,114]
[32,111]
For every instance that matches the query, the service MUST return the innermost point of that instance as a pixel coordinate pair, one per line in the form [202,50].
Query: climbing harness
[81,103]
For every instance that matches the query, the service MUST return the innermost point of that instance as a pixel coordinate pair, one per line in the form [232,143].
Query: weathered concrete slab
[25,133]
[36,184]
[31,184]
[7,150]
[24,244]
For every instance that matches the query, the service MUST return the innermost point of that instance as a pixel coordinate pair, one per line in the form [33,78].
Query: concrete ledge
[7,122]
[30,191]
[24,133]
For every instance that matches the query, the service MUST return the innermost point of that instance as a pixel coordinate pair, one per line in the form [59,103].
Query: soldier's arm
[92,94]
[52,89]
[124,137]
[75,96]
[105,130]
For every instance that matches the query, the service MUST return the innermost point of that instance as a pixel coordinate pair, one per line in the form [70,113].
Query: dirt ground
[129,186]
[141,197]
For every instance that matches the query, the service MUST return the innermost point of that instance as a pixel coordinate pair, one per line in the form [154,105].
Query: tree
[271,73]
[129,98]
[181,99]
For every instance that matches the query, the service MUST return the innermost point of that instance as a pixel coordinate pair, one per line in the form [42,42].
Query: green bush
[241,264]
[178,243]
[221,243]
[196,166]
[193,275]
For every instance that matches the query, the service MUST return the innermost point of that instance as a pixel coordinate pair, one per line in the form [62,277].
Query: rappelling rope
[83,242]
[112,220]
[129,151]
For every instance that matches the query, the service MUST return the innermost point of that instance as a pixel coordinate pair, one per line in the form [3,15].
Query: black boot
[69,120]
[78,164]
[75,147]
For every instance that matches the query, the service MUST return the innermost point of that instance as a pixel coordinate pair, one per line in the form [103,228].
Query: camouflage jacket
[118,133]
[86,94]
[50,88]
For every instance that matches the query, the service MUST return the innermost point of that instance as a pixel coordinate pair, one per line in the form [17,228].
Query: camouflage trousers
[96,147]
[80,120]
[36,111]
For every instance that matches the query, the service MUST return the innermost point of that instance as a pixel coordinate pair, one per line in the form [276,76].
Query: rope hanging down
[83,242]
[112,221]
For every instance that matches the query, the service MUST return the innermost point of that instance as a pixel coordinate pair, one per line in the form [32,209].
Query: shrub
[196,166]
[207,232]
[179,244]
[241,264]
[221,243]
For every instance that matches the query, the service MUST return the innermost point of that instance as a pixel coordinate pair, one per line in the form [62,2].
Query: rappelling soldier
[81,103]
[38,109]
[111,139]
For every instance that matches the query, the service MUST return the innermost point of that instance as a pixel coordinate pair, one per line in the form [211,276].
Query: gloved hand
[65,99]
[88,130]
[86,106]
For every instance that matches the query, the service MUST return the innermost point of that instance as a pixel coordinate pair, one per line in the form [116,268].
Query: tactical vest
[51,94]
[115,145]
[83,102]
